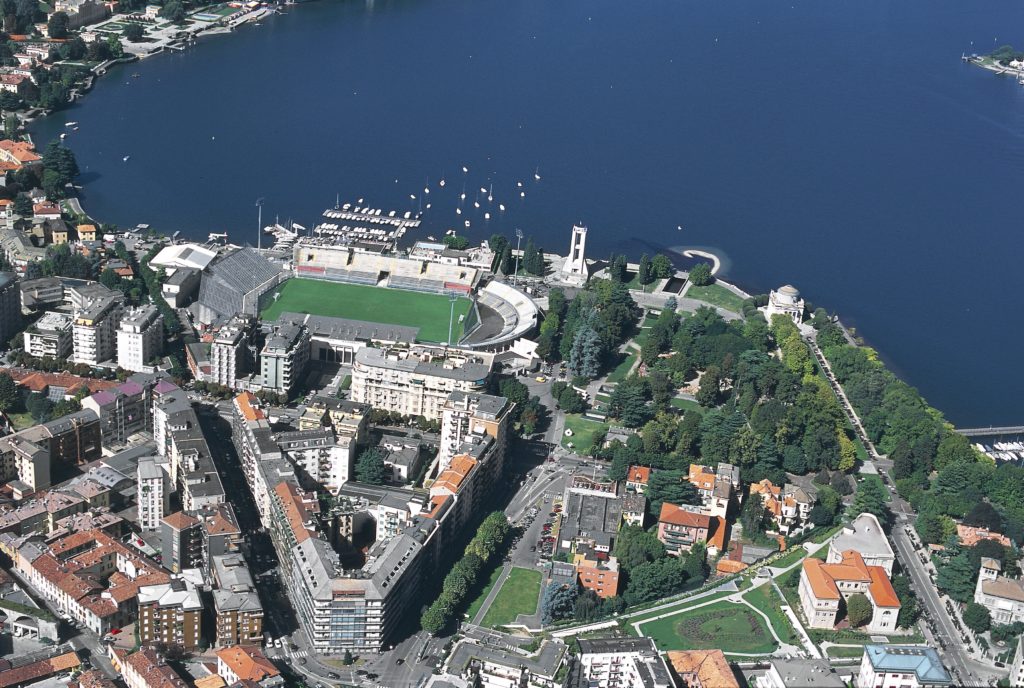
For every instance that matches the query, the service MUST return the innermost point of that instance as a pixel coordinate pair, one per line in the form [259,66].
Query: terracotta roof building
[240,663]
[824,586]
[680,527]
[702,669]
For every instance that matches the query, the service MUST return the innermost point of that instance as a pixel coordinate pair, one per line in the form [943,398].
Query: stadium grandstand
[503,314]
[234,282]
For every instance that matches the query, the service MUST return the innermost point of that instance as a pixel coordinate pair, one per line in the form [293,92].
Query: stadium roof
[184,256]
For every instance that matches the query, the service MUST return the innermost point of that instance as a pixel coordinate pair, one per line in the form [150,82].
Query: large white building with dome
[786,301]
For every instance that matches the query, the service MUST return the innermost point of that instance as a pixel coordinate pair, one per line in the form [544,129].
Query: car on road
[331,674]
[399,661]
[541,378]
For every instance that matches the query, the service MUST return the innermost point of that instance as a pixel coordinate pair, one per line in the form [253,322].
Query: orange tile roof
[701,477]
[882,592]
[179,520]
[246,404]
[295,510]
[729,566]
[822,585]
[248,663]
[717,532]
[22,151]
[969,536]
[638,474]
[670,513]
[451,478]
[709,667]
[210,681]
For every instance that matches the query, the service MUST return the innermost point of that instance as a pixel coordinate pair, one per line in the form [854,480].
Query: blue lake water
[839,145]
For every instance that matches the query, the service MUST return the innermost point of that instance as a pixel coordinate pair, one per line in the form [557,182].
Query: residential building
[145,668]
[10,306]
[26,462]
[95,327]
[417,380]
[236,603]
[490,666]
[596,571]
[181,542]
[865,536]
[1003,597]
[969,536]
[50,336]
[140,338]
[681,527]
[154,497]
[591,516]
[284,357]
[901,666]
[229,352]
[19,153]
[125,409]
[327,459]
[247,664]
[622,663]
[464,414]
[823,587]
[1016,677]
[785,301]
[702,669]
[789,506]
[794,672]
[171,613]
[637,477]
[716,488]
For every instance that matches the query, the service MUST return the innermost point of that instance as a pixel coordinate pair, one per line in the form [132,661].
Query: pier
[992,431]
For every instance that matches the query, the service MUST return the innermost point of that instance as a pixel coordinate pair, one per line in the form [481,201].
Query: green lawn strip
[583,431]
[622,370]
[790,558]
[768,601]
[716,295]
[845,652]
[683,606]
[684,404]
[727,626]
[20,421]
[429,312]
[478,602]
[519,594]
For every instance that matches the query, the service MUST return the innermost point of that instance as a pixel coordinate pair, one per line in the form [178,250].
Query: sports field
[429,312]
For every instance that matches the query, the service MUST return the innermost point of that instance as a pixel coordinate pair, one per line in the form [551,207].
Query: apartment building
[127,408]
[229,351]
[717,488]
[94,331]
[1003,597]
[171,613]
[10,306]
[680,527]
[704,669]
[145,668]
[489,666]
[248,666]
[236,604]
[901,666]
[467,413]
[622,663]
[596,571]
[789,506]
[284,357]
[50,336]
[417,380]
[181,544]
[153,495]
[140,338]
[24,465]
[327,459]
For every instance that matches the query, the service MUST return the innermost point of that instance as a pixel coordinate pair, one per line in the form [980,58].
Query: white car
[278,643]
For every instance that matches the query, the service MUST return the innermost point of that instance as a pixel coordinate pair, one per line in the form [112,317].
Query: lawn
[845,652]
[642,618]
[518,595]
[767,600]
[428,312]
[20,421]
[716,295]
[727,626]
[583,432]
[796,554]
[478,602]
[684,404]
[622,370]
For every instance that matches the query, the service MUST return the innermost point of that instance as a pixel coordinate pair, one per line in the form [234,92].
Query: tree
[435,617]
[858,610]
[39,407]
[23,206]
[909,611]
[840,483]
[110,279]
[370,468]
[654,580]
[700,275]
[585,356]
[8,392]
[11,126]
[820,516]
[754,518]
[643,273]
[847,452]
[57,26]
[53,185]
[454,241]
[114,47]
[673,487]
[710,393]
[977,617]
[558,602]
[870,498]
[661,267]
[173,10]
[628,402]
[957,577]
[984,515]
[635,546]
[134,33]
[570,401]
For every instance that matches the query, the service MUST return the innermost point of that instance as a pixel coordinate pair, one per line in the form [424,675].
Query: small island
[1004,60]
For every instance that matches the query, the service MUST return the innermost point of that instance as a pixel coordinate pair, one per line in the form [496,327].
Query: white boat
[125,158]
[458,211]
[467,223]
[519,184]
[501,207]
[465,170]
[70,124]
[483,190]
[536,174]
[487,216]
[476,204]
[462,197]
[63,135]
[426,189]
[522,194]
[441,183]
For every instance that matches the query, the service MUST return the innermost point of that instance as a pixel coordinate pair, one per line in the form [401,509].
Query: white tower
[575,267]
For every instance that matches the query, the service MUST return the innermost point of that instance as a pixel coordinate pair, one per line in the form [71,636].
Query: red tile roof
[670,513]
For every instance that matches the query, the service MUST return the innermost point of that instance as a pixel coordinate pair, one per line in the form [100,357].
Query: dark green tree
[957,576]
[858,610]
[57,25]
[909,611]
[8,392]
[661,267]
[134,32]
[643,273]
[672,487]
[977,617]
[557,603]
[370,468]
[700,275]
[870,498]
[634,546]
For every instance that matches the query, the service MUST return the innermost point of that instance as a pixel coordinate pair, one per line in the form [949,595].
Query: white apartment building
[49,336]
[866,537]
[416,381]
[227,351]
[623,663]
[140,338]
[95,329]
[465,414]
[1002,597]
[153,490]
[284,357]
[901,666]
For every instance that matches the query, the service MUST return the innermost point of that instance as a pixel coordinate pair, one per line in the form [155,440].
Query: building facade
[901,666]
[140,338]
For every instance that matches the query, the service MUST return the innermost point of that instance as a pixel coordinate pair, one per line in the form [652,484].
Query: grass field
[768,601]
[429,312]
[727,626]
[478,602]
[583,431]
[622,370]
[845,652]
[518,595]
[684,404]
[716,295]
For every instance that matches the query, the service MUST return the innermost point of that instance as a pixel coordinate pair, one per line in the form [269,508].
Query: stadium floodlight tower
[519,256]
[453,296]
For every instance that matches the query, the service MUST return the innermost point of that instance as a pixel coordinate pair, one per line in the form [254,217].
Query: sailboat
[487,216]
[125,158]
[490,194]
[441,183]
[536,174]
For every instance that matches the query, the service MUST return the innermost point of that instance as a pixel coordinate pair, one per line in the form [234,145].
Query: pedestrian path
[506,569]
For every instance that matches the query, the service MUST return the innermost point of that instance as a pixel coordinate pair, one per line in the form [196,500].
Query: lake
[840,146]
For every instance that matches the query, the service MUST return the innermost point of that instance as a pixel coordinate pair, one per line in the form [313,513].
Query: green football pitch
[428,312]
